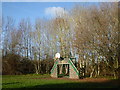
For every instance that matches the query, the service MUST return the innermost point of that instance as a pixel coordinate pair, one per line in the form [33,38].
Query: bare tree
[37,39]
[7,27]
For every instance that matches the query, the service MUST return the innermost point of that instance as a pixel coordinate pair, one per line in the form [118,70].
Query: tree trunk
[36,69]
[66,69]
[118,69]
[91,74]
[61,67]
[39,64]
[98,71]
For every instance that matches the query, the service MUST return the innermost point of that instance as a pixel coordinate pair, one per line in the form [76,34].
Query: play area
[64,67]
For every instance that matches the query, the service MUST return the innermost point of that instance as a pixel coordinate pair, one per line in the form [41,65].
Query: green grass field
[45,81]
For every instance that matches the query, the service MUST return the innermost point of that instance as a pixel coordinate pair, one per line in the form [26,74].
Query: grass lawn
[45,81]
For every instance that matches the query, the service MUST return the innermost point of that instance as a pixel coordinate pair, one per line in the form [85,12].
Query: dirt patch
[81,80]
[93,80]
[78,80]
[42,78]
[101,81]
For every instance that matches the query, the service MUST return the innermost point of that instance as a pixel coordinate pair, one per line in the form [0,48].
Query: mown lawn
[45,81]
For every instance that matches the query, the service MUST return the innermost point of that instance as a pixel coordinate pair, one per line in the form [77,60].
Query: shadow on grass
[108,84]
[10,83]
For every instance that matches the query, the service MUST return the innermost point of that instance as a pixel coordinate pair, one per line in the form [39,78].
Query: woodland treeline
[90,33]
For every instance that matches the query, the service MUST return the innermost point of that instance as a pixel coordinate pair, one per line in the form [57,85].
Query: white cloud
[55,11]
